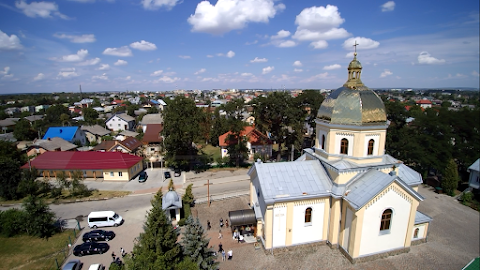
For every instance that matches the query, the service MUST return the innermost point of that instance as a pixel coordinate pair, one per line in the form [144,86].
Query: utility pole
[293,147]
[208,192]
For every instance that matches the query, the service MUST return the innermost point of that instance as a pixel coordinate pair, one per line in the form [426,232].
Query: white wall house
[474,179]
[120,122]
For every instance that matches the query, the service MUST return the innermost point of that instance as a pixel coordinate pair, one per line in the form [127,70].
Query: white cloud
[66,73]
[143,46]
[319,23]
[120,62]
[40,9]
[123,51]
[475,73]
[228,15]
[251,43]
[246,74]
[101,77]
[321,76]
[388,6]
[104,67]
[286,44]
[321,44]
[39,77]
[259,60]
[90,62]
[167,79]
[9,42]
[332,67]
[297,70]
[281,34]
[456,76]
[5,71]
[202,70]
[209,56]
[156,4]
[385,73]
[425,58]
[230,54]
[297,64]
[77,39]
[363,43]
[185,56]
[79,56]
[267,69]
[210,79]
[6,76]
[156,73]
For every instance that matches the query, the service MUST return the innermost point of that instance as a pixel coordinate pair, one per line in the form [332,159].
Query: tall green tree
[180,130]
[450,178]
[219,127]
[195,245]
[236,141]
[90,115]
[310,101]
[158,248]
[10,175]
[40,219]
[23,131]
[53,114]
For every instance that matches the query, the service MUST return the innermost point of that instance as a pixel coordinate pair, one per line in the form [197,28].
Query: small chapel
[345,191]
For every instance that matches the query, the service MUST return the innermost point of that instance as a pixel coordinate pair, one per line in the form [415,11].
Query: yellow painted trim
[326,215]
[357,233]
[289,227]
[411,223]
[342,228]
[269,227]
[334,222]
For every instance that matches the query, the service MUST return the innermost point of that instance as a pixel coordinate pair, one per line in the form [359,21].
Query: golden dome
[354,103]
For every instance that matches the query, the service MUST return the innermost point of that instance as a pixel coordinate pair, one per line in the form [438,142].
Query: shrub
[12,222]
[181,222]
[467,198]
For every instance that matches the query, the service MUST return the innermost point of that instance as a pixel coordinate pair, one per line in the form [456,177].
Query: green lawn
[212,151]
[65,197]
[33,252]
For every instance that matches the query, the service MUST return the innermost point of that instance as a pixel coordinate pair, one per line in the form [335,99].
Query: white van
[104,219]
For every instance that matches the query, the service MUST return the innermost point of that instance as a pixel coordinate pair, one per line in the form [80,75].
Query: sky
[163,45]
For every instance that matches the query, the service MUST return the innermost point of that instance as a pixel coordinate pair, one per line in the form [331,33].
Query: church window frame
[415,233]
[371,144]
[386,221]
[308,216]
[323,141]
[344,146]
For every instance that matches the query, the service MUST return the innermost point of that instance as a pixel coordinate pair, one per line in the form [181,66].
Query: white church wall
[373,241]
[338,139]
[307,232]
[421,231]
[376,142]
[348,225]
[279,232]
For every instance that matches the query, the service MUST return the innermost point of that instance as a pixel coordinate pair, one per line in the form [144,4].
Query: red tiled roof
[131,143]
[424,101]
[152,133]
[255,137]
[83,161]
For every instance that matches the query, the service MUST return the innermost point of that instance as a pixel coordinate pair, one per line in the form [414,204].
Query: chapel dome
[171,197]
[353,103]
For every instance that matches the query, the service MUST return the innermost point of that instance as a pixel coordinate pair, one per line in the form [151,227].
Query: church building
[345,192]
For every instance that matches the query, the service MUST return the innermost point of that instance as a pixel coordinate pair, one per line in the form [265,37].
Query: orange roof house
[257,142]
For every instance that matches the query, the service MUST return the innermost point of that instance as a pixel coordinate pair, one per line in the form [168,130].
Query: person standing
[226,223]
[113,256]
[208,225]
[223,255]
[220,236]
[220,247]
[221,222]
[122,252]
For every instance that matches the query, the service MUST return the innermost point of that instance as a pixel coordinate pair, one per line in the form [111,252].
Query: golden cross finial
[355,45]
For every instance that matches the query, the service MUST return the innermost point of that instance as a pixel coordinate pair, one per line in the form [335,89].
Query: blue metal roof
[475,166]
[65,133]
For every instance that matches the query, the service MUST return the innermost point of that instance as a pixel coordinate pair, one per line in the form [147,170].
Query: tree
[195,245]
[89,115]
[157,247]
[219,128]
[10,174]
[188,197]
[152,109]
[309,101]
[23,131]
[450,178]
[39,219]
[53,114]
[171,186]
[236,142]
[28,185]
[181,122]
[131,109]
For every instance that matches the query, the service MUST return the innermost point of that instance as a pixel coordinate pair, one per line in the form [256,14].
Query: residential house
[119,122]
[257,142]
[41,108]
[30,109]
[8,124]
[86,102]
[153,139]
[41,146]
[11,111]
[70,134]
[95,133]
[474,179]
[424,103]
[129,145]
[149,119]
[33,118]
[124,134]
[111,166]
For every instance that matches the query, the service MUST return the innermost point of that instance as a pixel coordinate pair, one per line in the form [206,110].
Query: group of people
[209,226]
[122,253]
[224,254]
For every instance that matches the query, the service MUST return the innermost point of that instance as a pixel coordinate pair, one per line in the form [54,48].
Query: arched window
[386,220]
[415,234]
[323,142]
[370,147]
[344,147]
[308,215]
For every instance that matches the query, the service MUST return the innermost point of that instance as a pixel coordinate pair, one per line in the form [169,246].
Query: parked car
[167,175]
[73,265]
[98,235]
[178,172]
[97,266]
[90,248]
[143,177]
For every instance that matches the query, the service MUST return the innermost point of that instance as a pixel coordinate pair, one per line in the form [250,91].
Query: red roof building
[257,142]
[109,165]
[424,103]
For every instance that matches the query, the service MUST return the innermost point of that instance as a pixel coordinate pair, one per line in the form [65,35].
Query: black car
[98,235]
[90,248]
[167,175]
[178,172]
[142,177]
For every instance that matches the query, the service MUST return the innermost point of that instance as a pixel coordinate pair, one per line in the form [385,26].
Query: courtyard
[453,240]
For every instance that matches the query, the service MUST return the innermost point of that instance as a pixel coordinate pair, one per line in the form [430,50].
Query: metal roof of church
[421,218]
